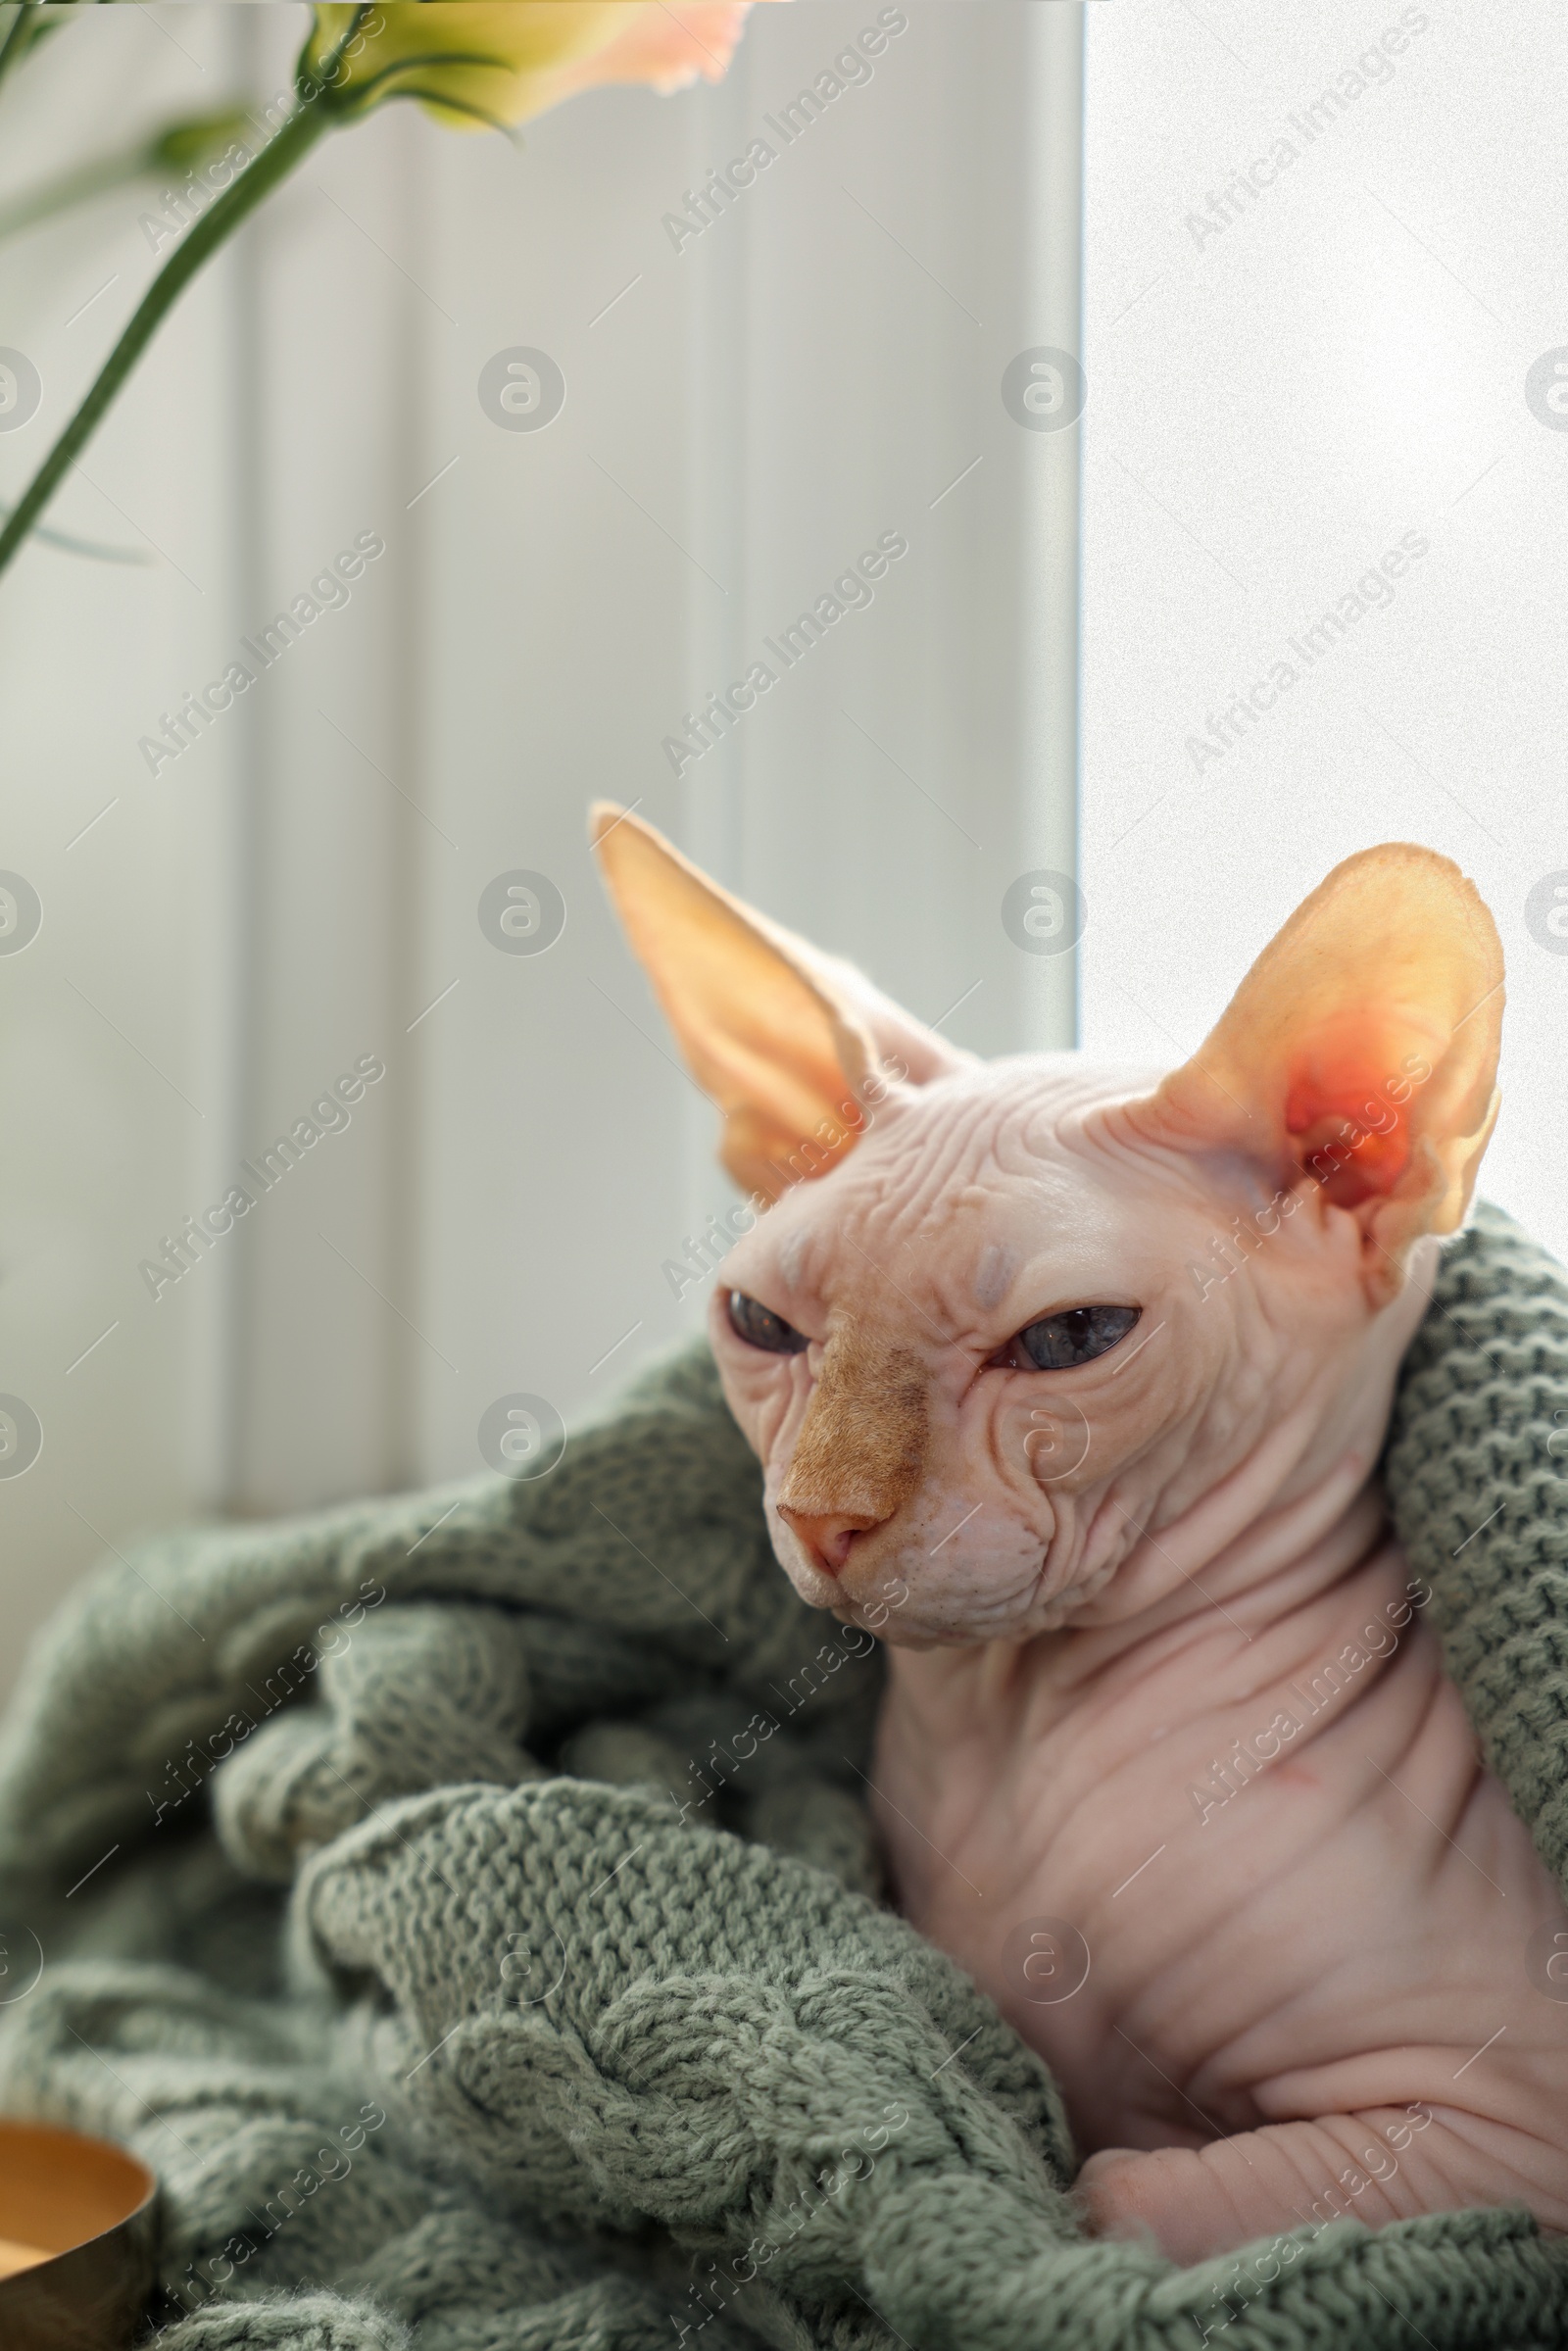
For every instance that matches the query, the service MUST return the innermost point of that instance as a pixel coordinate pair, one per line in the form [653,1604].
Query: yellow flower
[499,61]
[468,61]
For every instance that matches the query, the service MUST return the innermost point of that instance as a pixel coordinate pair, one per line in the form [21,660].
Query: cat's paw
[1188,2203]
[1111,2195]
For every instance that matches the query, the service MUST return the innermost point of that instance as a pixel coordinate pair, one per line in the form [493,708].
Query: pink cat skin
[1070,1383]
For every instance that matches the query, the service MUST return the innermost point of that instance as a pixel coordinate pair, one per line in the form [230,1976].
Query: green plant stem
[277,160]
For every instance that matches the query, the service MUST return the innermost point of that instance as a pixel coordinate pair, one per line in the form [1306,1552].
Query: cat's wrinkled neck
[1304,1495]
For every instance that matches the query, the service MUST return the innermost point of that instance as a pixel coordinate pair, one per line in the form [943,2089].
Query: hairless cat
[1072,1382]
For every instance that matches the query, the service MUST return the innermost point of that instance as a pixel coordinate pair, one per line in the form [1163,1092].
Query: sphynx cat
[1071,1386]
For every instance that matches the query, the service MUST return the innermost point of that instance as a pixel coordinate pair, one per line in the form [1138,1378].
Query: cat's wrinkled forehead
[958,1189]
[950,1150]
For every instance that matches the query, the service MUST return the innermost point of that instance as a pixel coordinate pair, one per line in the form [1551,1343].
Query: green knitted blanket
[466,1903]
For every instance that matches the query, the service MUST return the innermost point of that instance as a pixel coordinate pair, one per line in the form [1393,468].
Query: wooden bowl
[76,2251]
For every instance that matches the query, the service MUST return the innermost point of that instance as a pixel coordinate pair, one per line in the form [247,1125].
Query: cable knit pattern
[482,1941]
[1478,1458]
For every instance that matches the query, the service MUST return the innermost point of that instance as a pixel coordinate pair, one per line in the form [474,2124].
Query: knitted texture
[466,1904]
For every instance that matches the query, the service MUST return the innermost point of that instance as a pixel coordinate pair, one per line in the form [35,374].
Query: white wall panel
[1274,403]
[113,1042]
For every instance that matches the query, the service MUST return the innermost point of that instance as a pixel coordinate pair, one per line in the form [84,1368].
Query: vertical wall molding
[1049,597]
[228,918]
[407,961]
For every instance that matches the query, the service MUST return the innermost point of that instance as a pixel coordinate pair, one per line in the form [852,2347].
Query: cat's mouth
[952,1567]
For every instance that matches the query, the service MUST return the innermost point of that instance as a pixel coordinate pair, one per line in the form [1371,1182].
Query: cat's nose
[828,1534]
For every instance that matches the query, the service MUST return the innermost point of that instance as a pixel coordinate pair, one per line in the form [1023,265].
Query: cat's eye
[1059,1341]
[761,1327]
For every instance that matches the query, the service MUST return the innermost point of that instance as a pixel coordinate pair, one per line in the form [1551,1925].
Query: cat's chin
[897,1631]
[919,1645]
[899,1628]
[904,1636]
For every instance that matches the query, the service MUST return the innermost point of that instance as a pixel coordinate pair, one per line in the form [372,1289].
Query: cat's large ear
[1359,1052]
[795,1046]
